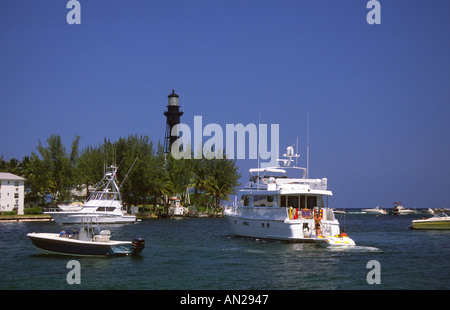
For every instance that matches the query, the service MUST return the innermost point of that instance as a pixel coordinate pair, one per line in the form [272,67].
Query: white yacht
[376,210]
[273,205]
[105,202]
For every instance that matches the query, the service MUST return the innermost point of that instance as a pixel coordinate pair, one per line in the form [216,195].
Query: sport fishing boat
[105,202]
[87,241]
[376,210]
[273,205]
[439,221]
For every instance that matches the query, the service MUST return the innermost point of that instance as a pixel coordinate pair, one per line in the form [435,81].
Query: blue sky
[377,95]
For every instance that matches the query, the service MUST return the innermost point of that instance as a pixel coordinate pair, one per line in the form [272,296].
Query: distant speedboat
[105,202]
[400,210]
[440,221]
[88,241]
[376,210]
[337,211]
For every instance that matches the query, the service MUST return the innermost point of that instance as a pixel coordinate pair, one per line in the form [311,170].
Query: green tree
[214,180]
[55,169]
[222,181]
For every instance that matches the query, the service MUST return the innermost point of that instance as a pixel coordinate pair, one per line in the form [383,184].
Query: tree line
[53,173]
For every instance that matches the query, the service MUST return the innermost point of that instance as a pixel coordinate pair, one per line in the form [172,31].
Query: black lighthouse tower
[173,115]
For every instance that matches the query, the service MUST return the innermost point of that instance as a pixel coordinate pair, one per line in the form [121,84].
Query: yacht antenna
[259,146]
[307,145]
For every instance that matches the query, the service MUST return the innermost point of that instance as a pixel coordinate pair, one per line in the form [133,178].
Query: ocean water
[201,254]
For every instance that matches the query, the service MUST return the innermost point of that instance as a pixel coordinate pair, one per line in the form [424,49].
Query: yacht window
[302,201]
[311,201]
[255,201]
[282,201]
[293,201]
[271,200]
[245,201]
[109,209]
[320,201]
[260,201]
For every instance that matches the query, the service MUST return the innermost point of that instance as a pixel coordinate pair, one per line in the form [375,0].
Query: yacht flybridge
[275,205]
[105,203]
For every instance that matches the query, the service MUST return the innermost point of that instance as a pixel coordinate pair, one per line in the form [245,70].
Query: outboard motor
[138,245]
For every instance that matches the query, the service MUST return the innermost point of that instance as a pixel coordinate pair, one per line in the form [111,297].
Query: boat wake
[356,248]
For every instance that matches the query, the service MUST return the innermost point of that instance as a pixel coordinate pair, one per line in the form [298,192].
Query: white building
[12,192]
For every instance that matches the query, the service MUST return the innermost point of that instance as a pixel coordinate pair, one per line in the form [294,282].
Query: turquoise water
[199,254]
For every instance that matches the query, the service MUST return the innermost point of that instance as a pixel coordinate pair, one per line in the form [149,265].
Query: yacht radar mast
[289,154]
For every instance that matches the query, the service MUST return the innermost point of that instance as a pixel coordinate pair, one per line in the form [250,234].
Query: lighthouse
[173,115]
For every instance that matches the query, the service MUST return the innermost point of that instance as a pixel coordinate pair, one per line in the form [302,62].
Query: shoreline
[48,218]
[25,218]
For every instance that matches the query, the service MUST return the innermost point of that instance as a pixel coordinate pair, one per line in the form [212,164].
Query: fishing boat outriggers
[273,205]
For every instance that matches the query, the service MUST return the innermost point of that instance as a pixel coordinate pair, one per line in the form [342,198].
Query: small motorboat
[87,241]
[400,210]
[338,240]
[440,221]
[376,210]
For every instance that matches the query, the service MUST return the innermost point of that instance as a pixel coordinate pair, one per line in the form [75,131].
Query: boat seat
[105,233]
[101,238]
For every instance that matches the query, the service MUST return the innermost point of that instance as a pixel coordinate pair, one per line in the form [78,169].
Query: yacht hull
[404,212]
[374,211]
[299,230]
[75,218]
[432,224]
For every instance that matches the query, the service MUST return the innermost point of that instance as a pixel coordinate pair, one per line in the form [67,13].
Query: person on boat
[75,234]
[318,229]
[343,234]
